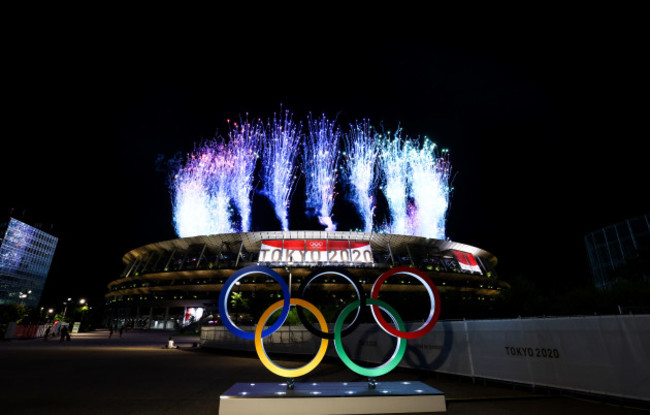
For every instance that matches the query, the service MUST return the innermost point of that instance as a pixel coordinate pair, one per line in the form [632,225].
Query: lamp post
[84,307]
[65,310]
[23,295]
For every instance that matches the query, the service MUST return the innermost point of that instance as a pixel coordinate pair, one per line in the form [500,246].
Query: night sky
[542,120]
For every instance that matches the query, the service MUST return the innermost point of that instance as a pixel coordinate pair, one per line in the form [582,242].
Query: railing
[300,339]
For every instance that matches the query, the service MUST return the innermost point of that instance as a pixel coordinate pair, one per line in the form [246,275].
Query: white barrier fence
[16,331]
[607,355]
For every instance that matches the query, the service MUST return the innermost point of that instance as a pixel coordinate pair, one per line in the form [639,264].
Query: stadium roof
[379,242]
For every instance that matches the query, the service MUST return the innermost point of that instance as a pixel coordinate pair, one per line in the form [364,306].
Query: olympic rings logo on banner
[339,331]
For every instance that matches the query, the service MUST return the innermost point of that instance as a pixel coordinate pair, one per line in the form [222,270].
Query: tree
[11,313]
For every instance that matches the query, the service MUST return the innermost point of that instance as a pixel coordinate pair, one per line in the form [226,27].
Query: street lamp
[83,307]
[23,295]
[65,310]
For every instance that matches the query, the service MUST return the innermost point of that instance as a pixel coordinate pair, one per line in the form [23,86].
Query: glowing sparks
[200,192]
[429,185]
[320,160]
[416,186]
[214,177]
[279,169]
[360,154]
[394,172]
[243,147]
[212,188]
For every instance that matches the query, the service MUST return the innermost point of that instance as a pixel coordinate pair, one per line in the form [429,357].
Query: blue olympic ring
[225,294]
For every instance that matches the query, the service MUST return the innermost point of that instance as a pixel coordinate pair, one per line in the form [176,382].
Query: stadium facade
[171,283]
[619,251]
[26,254]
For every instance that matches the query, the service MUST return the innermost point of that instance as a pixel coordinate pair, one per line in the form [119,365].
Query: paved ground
[134,374]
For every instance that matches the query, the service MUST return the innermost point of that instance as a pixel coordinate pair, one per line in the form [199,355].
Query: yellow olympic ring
[259,346]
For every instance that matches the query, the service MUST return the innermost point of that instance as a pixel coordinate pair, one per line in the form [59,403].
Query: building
[25,257]
[619,251]
[171,283]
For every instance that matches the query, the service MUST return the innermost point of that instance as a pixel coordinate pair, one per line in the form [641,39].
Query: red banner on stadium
[315,250]
[467,261]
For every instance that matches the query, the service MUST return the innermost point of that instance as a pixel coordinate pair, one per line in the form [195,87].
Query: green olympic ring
[384,368]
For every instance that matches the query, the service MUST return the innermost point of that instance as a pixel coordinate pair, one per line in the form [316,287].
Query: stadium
[169,284]
[392,193]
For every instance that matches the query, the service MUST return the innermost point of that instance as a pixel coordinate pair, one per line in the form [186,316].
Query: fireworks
[361,155]
[416,186]
[279,168]
[394,172]
[320,160]
[243,147]
[214,185]
[216,176]
[200,193]
[429,188]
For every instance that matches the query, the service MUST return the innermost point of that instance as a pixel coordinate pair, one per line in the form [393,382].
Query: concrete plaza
[135,374]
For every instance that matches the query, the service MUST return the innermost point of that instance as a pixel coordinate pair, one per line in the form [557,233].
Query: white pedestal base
[328,398]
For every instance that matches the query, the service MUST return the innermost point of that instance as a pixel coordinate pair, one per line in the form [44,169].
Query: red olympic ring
[433,296]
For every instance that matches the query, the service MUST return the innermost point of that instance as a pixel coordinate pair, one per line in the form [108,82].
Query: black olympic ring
[361,295]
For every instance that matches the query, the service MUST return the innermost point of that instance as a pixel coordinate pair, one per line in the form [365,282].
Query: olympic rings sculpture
[339,331]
